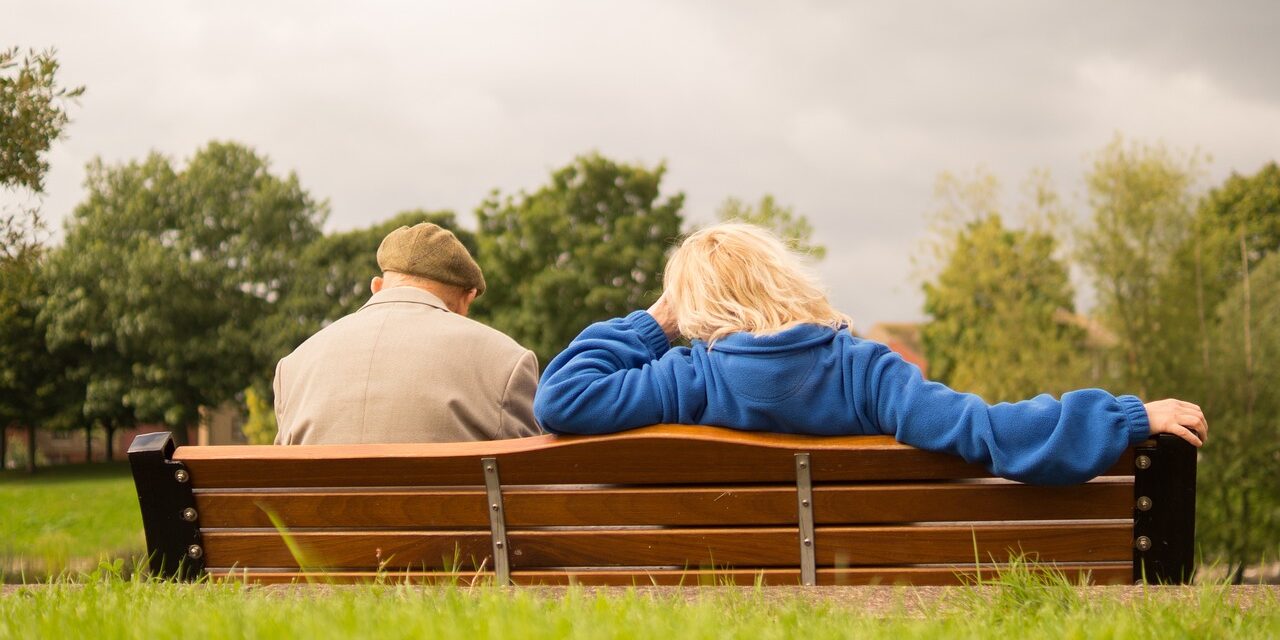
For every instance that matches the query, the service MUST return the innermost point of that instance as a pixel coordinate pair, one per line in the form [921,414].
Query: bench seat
[665,504]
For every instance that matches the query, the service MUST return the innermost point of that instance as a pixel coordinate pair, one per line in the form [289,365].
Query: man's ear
[464,303]
[375,285]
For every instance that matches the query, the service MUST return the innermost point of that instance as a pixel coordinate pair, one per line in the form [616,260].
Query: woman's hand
[661,311]
[1179,418]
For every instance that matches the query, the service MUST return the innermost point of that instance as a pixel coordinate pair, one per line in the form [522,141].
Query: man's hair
[400,279]
[737,277]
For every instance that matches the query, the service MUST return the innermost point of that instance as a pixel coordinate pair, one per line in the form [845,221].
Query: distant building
[222,425]
[904,338]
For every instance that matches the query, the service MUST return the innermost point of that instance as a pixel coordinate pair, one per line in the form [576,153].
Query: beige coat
[405,369]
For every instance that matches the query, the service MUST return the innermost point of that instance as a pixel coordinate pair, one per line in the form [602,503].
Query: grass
[67,518]
[64,519]
[1019,604]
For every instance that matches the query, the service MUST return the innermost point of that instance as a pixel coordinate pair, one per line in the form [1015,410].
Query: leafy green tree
[1142,213]
[1230,263]
[35,390]
[166,271]
[781,219]
[590,245]
[260,427]
[1001,305]
[33,114]
[1239,507]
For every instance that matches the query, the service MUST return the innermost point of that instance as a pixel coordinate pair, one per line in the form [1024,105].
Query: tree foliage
[1229,344]
[781,219]
[33,114]
[35,387]
[164,273]
[1001,305]
[1240,505]
[1142,213]
[590,245]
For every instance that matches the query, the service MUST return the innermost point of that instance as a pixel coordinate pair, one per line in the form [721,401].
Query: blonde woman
[769,353]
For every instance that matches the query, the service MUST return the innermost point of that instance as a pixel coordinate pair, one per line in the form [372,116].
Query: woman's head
[736,277]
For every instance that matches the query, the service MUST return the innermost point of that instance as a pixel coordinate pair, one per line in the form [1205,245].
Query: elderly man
[409,366]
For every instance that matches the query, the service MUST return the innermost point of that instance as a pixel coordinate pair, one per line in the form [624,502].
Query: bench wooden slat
[670,506]
[664,454]
[835,546]
[767,547]
[1099,573]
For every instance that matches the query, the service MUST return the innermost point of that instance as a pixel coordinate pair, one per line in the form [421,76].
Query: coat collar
[412,295]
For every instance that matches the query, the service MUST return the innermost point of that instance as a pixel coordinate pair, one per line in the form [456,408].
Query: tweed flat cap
[430,251]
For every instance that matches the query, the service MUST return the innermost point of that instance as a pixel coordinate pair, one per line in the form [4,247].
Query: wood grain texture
[1097,573]
[661,454]
[669,506]
[430,550]
[704,547]
[851,546]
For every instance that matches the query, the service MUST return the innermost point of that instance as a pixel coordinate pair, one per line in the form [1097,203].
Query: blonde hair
[737,277]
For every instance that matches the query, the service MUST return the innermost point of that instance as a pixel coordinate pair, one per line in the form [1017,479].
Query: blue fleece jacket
[811,379]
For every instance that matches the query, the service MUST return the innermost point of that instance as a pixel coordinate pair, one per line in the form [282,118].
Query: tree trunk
[31,448]
[4,445]
[88,442]
[1249,400]
[111,432]
[1204,325]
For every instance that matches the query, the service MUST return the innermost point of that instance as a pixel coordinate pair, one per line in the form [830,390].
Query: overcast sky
[846,111]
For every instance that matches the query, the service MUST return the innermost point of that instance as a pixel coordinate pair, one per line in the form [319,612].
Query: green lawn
[111,607]
[72,517]
[67,518]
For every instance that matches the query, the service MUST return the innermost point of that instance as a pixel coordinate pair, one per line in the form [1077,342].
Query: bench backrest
[660,505]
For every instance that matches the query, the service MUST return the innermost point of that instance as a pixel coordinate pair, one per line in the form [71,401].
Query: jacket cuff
[1135,418]
[650,332]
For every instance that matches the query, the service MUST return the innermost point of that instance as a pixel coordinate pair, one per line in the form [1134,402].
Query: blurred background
[1019,198]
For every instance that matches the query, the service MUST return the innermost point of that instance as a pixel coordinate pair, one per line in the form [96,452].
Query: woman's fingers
[1186,434]
[1180,418]
[1195,422]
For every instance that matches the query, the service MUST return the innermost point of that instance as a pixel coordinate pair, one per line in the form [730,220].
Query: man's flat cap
[430,251]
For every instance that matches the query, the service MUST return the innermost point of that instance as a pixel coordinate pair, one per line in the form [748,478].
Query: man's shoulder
[491,338]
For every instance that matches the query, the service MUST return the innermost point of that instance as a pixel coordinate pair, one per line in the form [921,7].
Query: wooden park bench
[659,505]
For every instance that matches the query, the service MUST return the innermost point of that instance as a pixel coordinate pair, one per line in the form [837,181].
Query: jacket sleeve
[612,377]
[1039,441]
[517,400]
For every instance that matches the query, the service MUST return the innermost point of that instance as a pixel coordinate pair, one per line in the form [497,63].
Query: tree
[34,387]
[1239,513]
[260,426]
[33,114]
[590,245]
[782,220]
[1231,265]
[1141,200]
[165,273]
[1001,305]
